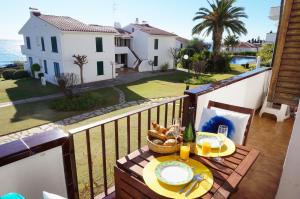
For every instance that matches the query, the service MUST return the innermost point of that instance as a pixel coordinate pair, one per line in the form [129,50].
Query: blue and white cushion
[211,119]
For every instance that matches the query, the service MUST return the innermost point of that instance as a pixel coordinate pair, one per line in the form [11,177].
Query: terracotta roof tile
[69,24]
[152,30]
[181,39]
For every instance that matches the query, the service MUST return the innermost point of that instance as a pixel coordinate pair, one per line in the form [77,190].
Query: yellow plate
[172,191]
[227,149]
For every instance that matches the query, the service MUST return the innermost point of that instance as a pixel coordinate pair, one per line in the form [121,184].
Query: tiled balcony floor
[272,140]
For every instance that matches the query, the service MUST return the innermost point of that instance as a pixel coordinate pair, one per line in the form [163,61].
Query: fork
[198,178]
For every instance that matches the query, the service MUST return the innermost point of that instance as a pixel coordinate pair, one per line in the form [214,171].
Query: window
[99,45]
[56,69]
[100,70]
[43,44]
[181,45]
[132,30]
[28,42]
[30,61]
[155,44]
[155,61]
[45,67]
[54,44]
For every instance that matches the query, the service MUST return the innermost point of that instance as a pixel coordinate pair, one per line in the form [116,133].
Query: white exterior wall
[46,31]
[35,174]
[249,93]
[245,49]
[289,186]
[165,43]
[178,44]
[271,38]
[125,50]
[85,44]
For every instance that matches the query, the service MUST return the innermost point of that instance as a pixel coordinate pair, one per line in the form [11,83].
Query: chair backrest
[237,109]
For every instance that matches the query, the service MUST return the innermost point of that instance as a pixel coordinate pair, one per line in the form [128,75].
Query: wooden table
[129,181]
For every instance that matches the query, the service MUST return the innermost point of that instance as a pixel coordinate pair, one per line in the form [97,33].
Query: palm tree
[222,16]
[231,41]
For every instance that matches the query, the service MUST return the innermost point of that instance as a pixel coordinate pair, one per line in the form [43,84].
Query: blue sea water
[10,51]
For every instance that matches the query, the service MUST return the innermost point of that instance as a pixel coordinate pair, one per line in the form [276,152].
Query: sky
[171,15]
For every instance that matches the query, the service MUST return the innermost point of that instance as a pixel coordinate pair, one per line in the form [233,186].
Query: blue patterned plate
[174,173]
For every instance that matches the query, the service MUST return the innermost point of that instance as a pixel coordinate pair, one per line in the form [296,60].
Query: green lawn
[24,116]
[11,90]
[170,85]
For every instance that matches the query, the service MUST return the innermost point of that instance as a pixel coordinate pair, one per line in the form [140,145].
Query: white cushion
[236,122]
[47,195]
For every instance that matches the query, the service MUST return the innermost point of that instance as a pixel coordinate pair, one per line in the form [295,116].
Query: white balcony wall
[249,93]
[35,174]
[290,179]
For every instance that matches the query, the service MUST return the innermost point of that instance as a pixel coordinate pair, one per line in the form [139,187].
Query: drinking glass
[185,152]
[206,148]
[222,135]
[177,125]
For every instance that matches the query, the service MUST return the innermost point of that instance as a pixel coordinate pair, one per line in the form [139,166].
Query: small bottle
[189,132]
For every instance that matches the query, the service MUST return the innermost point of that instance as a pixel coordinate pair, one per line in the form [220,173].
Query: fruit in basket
[170,135]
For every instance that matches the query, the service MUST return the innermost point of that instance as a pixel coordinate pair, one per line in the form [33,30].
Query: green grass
[24,116]
[11,90]
[171,85]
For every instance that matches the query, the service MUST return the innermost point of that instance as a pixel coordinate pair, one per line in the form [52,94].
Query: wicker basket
[162,149]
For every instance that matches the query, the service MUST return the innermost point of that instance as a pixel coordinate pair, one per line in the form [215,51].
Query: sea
[10,51]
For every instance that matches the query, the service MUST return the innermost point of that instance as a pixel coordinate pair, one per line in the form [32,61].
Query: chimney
[137,20]
[34,12]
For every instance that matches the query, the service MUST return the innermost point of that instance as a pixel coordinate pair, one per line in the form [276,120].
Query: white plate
[212,139]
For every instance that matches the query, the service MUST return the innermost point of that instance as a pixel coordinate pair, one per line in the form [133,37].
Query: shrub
[35,67]
[266,54]
[246,53]
[164,67]
[8,74]
[77,103]
[19,74]
[221,64]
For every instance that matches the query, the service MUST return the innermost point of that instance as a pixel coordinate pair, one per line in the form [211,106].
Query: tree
[266,54]
[80,60]
[197,45]
[222,16]
[231,41]
[67,83]
[174,53]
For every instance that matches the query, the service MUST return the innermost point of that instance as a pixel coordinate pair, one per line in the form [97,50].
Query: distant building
[181,42]
[246,47]
[274,16]
[51,41]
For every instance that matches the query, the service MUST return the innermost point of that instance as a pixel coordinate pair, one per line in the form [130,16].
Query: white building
[51,41]
[151,44]
[274,16]
[181,42]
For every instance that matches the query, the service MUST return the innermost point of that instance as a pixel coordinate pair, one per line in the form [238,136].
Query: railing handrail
[124,115]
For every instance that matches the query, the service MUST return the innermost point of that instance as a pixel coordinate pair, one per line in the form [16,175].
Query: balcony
[81,162]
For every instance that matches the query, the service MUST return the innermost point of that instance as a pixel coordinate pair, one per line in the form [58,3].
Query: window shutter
[54,44]
[43,44]
[156,44]
[28,43]
[155,61]
[99,45]
[45,67]
[100,70]
[56,69]
[285,82]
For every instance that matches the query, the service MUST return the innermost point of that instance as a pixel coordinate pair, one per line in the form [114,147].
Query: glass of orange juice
[206,148]
[185,151]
